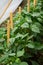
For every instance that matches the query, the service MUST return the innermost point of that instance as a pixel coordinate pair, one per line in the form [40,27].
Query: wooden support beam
[20,10]
[11,20]
[35,1]
[8,31]
[28,5]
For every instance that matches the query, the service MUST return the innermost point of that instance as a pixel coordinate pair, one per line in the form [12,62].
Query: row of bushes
[25,45]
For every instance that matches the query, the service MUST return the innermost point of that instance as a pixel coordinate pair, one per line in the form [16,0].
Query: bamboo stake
[8,31]
[20,10]
[11,20]
[35,1]
[28,5]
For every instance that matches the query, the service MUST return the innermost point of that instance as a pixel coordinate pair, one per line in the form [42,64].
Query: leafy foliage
[26,38]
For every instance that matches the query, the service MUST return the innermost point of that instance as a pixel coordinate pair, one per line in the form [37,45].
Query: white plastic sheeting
[12,7]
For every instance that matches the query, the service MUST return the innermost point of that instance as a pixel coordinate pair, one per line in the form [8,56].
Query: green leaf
[35,45]
[1,48]
[34,63]
[12,40]
[2,40]
[34,28]
[18,60]
[16,17]
[3,58]
[30,37]
[18,36]
[23,63]
[28,19]
[20,53]
[15,64]
[12,54]
[2,29]
[38,46]
[17,22]
[24,11]
[24,35]
[36,14]
[37,24]
[25,25]
[30,45]
[14,29]
[39,19]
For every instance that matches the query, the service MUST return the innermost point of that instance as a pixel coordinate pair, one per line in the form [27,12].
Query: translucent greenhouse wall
[12,7]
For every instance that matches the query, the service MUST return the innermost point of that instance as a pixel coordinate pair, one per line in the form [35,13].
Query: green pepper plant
[26,38]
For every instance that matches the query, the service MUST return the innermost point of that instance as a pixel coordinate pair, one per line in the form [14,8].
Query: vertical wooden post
[11,20]
[8,31]
[20,10]
[28,5]
[35,1]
